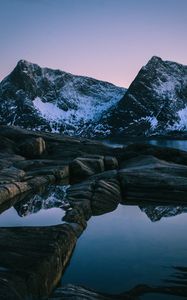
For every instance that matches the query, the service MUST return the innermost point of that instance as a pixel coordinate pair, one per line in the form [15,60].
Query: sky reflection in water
[124,248]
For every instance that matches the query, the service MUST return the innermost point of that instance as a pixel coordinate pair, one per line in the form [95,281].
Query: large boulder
[83,167]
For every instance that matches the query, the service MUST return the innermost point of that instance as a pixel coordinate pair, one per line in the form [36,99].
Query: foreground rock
[29,160]
[152,179]
[32,260]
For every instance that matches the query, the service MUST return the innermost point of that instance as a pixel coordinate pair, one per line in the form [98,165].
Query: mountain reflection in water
[45,208]
[134,248]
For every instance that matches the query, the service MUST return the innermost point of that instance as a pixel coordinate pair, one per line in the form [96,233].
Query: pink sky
[104,39]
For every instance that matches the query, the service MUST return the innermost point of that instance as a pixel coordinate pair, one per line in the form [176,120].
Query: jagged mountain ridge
[155,103]
[54,100]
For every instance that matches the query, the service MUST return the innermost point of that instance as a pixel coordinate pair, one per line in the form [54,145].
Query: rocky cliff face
[155,103]
[53,100]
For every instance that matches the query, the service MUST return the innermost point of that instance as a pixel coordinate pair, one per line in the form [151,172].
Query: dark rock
[111,163]
[113,174]
[11,174]
[32,260]
[75,215]
[33,147]
[81,168]
[77,228]
[168,154]
[148,178]
[79,196]
[106,196]
[11,190]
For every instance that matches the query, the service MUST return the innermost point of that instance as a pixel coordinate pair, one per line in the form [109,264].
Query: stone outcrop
[32,260]
[152,179]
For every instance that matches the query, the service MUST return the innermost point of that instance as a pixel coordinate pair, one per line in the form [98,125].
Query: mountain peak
[23,62]
[24,65]
[153,62]
[155,59]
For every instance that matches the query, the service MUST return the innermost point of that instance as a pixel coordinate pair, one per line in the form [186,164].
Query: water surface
[177,144]
[124,248]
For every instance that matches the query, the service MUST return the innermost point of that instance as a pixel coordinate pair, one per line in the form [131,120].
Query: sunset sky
[105,39]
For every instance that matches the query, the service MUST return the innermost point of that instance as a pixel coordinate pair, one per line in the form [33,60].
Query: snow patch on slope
[86,110]
[182,123]
[183,117]
[153,122]
[166,88]
[48,110]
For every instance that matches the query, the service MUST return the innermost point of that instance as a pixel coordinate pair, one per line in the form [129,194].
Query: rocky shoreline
[101,177]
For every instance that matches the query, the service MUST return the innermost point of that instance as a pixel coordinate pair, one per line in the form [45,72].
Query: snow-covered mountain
[53,100]
[155,103]
[46,99]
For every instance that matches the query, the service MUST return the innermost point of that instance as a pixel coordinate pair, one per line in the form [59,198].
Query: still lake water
[118,250]
[120,142]
[124,248]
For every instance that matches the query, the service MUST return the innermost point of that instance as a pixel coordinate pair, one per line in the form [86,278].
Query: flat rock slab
[149,178]
[32,260]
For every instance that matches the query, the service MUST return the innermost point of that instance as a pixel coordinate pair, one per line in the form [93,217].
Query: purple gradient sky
[105,39]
